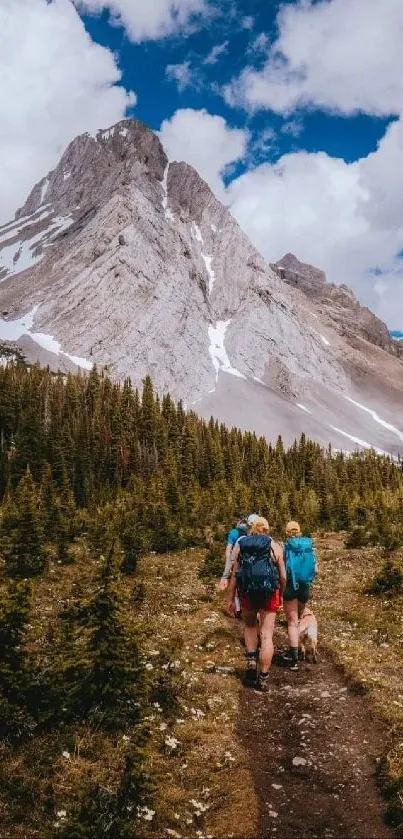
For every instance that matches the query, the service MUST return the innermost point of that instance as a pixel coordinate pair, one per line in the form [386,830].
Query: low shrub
[389,580]
[213,562]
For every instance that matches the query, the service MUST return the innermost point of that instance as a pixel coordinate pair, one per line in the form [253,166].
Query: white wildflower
[171,742]
[199,807]
[66,755]
[145,813]
[149,666]
[61,814]
[196,712]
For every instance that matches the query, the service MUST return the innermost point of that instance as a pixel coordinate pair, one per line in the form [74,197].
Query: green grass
[365,635]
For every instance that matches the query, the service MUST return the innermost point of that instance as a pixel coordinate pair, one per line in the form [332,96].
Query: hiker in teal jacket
[300,564]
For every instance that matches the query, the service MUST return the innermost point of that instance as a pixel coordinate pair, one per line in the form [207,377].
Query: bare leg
[291,613]
[250,619]
[267,621]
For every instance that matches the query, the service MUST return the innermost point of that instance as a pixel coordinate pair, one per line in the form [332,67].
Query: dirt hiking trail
[313,747]
[298,762]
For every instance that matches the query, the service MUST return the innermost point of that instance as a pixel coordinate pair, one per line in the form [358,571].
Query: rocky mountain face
[119,259]
[338,302]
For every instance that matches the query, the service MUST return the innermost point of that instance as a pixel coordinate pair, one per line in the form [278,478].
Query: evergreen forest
[97,474]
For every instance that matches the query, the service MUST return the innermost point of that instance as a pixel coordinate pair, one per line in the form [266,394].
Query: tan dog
[308,635]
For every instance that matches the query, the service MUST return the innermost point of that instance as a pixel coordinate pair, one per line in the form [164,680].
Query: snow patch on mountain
[19,256]
[51,344]
[303,408]
[357,440]
[16,227]
[377,418]
[211,274]
[44,189]
[168,213]
[218,353]
[207,259]
[196,233]
[12,330]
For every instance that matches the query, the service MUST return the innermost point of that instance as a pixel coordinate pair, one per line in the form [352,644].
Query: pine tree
[15,670]
[148,413]
[22,536]
[102,678]
[14,613]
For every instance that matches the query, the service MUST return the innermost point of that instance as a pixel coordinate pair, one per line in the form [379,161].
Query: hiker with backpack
[300,565]
[241,528]
[259,574]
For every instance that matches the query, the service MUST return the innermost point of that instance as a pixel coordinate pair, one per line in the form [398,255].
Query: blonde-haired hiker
[259,574]
[300,564]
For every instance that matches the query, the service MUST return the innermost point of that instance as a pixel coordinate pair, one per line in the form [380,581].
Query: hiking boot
[263,683]
[286,659]
[290,659]
[251,673]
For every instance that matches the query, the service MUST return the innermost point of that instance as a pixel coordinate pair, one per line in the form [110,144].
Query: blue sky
[144,70]
[291,110]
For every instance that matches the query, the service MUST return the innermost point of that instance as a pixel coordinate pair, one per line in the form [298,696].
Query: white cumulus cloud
[56,83]
[344,55]
[215,53]
[182,74]
[206,142]
[340,56]
[345,218]
[149,19]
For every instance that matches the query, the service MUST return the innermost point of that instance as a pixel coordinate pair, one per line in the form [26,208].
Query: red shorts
[272,604]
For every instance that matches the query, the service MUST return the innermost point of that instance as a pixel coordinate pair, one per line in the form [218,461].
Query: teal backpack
[300,560]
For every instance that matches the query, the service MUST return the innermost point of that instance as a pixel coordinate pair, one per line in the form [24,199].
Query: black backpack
[258,576]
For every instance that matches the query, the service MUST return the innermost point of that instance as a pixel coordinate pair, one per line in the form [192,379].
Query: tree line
[75,449]
[100,470]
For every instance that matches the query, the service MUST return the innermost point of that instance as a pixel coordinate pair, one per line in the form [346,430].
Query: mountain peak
[300,273]
[94,166]
[119,259]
